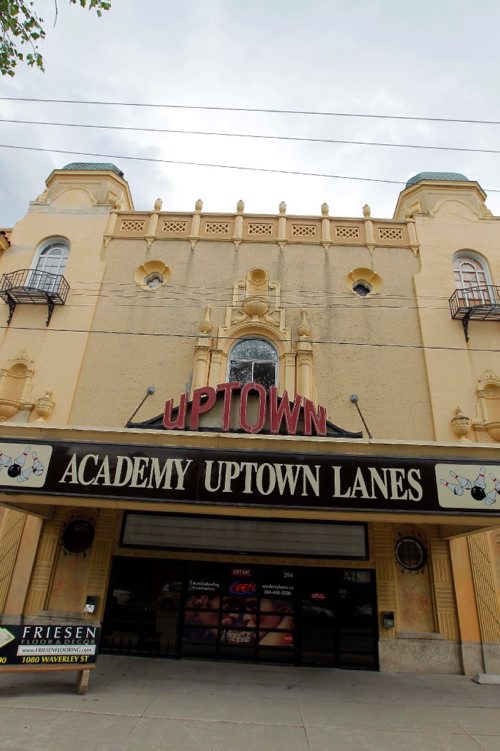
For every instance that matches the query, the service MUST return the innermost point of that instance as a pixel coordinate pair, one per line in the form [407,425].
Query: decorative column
[412,230]
[153,222]
[195,225]
[304,358]
[444,590]
[369,233]
[325,226]
[111,224]
[282,225]
[45,562]
[202,352]
[238,224]
[11,531]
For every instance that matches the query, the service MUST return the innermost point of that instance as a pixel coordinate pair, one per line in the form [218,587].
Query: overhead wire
[162,334]
[468,121]
[263,110]
[262,136]
[157,160]
[268,170]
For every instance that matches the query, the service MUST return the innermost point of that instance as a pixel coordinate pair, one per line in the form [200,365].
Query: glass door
[338,624]
[318,618]
[357,635]
[142,609]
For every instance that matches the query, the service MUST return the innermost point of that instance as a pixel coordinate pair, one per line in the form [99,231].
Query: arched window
[253,361]
[472,279]
[52,258]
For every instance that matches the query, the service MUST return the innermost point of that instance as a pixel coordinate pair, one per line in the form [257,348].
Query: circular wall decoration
[151,275]
[410,553]
[257,276]
[78,536]
[364,282]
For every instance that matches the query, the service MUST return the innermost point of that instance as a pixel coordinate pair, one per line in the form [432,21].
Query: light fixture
[388,620]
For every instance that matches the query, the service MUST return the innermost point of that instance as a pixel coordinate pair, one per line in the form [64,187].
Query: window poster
[202,614]
[242,608]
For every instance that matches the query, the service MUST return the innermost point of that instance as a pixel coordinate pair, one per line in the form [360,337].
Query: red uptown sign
[280,413]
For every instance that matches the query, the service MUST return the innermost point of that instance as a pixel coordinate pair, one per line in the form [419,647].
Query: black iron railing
[31,286]
[481,303]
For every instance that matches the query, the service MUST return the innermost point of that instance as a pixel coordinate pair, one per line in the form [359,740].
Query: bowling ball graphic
[477,493]
[14,470]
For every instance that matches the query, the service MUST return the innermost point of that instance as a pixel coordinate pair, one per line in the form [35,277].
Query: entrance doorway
[260,613]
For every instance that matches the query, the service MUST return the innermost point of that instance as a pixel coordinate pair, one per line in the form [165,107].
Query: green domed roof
[94,166]
[451,176]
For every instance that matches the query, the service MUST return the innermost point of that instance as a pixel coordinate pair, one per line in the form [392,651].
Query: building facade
[254,437]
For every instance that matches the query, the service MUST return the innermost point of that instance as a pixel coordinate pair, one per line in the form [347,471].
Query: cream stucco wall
[352,336]
[67,209]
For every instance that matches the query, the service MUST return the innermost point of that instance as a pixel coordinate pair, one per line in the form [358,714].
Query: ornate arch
[255,312]
[15,386]
[488,405]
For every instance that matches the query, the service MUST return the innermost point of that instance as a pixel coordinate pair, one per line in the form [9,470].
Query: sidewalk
[136,704]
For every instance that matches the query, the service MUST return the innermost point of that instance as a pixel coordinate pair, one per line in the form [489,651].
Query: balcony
[480,303]
[33,287]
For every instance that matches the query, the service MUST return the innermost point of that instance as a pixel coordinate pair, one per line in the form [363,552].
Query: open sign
[243,588]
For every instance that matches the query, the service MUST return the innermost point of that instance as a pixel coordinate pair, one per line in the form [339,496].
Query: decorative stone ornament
[282,207]
[304,328]
[325,209]
[255,306]
[364,281]
[198,206]
[44,406]
[206,325]
[240,206]
[460,424]
[158,204]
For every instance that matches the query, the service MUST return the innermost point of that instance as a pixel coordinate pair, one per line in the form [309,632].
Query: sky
[438,58]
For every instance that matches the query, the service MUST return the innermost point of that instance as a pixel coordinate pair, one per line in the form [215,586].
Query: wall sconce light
[91,604]
[388,619]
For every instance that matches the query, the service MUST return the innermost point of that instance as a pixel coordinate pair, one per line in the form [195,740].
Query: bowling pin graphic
[25,474]
[463,481]
[490,498]
[497,483]
[478,490]
[20,461]
[5,461]
[457,489]
[16,468]
[37,465]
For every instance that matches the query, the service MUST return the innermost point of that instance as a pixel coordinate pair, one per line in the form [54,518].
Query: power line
[376,345]
[261,136]
[263,110]
[220,304]
[205,164]
[267,170]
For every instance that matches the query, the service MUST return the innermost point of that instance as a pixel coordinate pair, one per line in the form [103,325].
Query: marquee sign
[197,476]
[279,413]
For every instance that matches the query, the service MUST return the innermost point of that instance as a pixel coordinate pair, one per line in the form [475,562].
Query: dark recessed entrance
[293,615]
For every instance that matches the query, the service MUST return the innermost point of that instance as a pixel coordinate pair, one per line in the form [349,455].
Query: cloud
[369,57]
